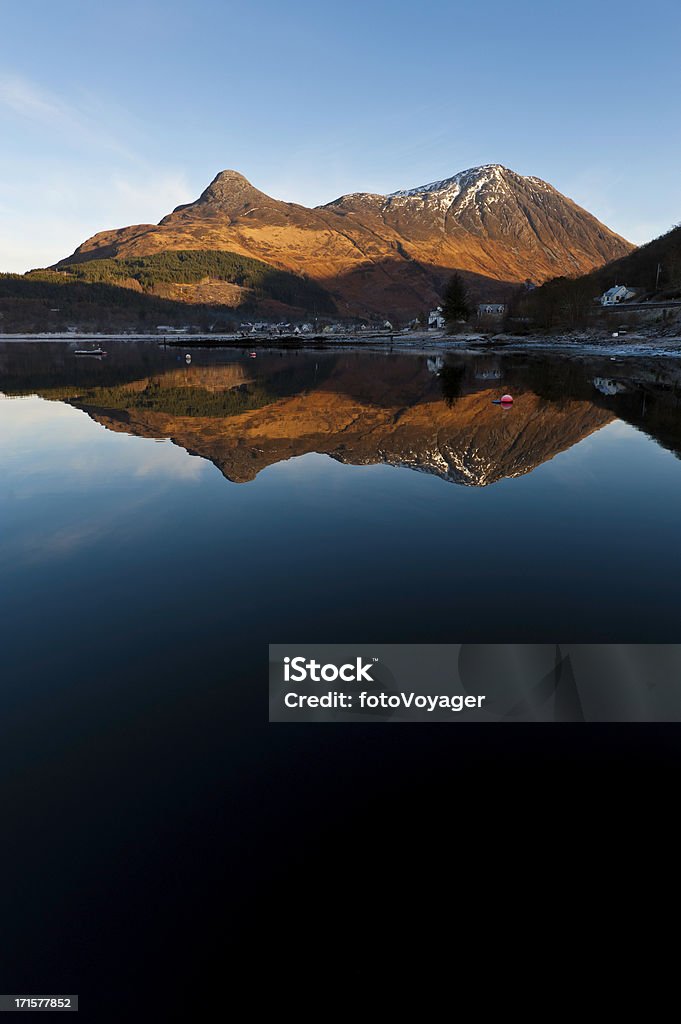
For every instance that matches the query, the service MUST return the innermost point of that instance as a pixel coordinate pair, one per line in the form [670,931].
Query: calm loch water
[161,523]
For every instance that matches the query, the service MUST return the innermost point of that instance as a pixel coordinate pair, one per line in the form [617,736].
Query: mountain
[378,254]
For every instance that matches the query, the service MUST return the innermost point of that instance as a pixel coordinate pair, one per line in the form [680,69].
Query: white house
[491,309]
[436,319]
[619,293]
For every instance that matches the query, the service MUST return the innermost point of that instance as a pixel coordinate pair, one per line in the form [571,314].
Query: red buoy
[507,399]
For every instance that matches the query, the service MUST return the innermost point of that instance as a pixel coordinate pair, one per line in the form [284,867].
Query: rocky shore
[642,342]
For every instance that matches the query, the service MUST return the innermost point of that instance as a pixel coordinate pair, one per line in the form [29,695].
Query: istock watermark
[474,683]
[298,670]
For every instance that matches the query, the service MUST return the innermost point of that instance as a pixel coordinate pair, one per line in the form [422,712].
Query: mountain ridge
[380,254]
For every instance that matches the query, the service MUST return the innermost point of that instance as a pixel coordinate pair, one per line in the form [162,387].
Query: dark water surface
[161,523]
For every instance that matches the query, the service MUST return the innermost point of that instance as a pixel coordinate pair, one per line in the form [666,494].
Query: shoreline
[632,345]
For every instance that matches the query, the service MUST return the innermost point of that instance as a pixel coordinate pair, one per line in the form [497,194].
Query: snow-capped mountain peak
[485,174]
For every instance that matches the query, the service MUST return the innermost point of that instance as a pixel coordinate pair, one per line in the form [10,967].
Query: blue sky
[113,113]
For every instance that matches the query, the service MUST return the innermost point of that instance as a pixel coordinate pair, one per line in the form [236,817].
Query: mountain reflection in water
[432,414]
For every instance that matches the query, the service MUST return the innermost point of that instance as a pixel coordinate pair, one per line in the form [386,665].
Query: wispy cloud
[23,98]
[45,216]
[50,205]
[32,103]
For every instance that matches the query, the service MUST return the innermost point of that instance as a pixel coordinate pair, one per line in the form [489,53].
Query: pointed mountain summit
[387,254]
[228,190]
[226,183]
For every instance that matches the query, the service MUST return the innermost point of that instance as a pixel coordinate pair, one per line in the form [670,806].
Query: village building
[491,309]
[618,293]
[436,319]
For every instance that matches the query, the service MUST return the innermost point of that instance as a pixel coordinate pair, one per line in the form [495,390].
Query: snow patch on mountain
[474,177]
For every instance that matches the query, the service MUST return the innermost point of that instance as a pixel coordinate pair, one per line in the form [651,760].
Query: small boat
[253,355]
[89,352]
